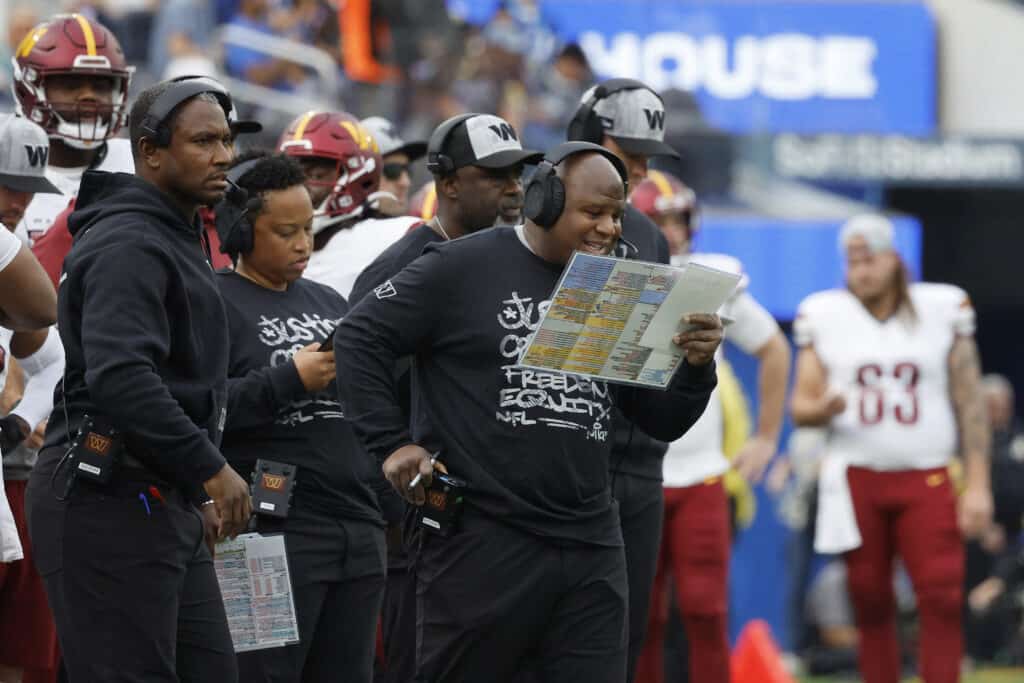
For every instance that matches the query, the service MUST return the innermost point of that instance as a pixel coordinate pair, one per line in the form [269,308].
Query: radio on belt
[272,486]
[96,450]
[442,508]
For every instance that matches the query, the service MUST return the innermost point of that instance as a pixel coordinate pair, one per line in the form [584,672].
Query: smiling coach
[536,571]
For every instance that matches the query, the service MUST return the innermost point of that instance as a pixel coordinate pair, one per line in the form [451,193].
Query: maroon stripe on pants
[912,514]
[695,555]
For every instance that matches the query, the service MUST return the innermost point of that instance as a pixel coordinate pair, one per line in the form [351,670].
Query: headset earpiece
[586,125]
[544,198]
[232,214]
[439,163]
[582,125]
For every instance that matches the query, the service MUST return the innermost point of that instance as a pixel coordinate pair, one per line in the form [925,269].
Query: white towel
[836,530]
[10,545]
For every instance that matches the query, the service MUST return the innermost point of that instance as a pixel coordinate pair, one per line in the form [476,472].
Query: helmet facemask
[90,125]
[340,205]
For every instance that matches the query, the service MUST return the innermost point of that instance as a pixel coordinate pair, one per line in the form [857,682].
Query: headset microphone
[631,250]
[237,187]
[233,214]
[239,195]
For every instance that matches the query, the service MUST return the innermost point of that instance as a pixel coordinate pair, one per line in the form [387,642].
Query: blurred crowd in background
[412,61]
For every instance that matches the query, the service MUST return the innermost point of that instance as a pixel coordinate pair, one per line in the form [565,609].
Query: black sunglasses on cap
[394,171]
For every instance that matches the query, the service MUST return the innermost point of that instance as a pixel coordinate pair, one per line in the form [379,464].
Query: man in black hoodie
[128,576]
[536,572]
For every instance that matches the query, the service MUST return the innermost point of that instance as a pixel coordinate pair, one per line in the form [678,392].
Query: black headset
[439,163]
[182,88]
[586,124]
[232,214]
[545,193]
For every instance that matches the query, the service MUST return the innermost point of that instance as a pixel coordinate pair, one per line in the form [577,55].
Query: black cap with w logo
[487,141]
[634,117]
[24,150]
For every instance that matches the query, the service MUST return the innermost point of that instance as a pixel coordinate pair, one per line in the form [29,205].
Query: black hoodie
[144,329]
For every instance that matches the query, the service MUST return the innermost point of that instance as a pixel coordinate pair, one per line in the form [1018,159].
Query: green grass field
[987,676]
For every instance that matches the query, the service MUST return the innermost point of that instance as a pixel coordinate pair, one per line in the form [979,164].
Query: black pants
[398,616]
[132,588]
[492,598]
[642,512]
[337,572]
[398,625]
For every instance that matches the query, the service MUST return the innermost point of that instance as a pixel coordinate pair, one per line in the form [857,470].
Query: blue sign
[765,65]
[787,260]
[473,11]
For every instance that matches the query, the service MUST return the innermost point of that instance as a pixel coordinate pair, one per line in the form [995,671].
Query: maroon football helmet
[661,193]
[71,44]
[340,137]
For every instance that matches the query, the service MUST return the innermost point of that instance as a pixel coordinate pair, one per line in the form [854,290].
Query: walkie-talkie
[96,450]
[272,487]
[442,509]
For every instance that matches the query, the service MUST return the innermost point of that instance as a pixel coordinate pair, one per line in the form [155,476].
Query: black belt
[129,476]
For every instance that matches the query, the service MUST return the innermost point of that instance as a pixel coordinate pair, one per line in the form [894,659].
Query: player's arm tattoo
[968,399]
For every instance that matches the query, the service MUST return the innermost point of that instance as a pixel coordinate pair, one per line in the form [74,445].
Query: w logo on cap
[504,131]
[37,155]
[655,118]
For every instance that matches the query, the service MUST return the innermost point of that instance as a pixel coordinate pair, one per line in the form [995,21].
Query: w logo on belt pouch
[272,487]
[96,450]
[442,508]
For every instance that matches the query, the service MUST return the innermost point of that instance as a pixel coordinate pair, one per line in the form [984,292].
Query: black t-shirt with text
[534,446]
[272,416]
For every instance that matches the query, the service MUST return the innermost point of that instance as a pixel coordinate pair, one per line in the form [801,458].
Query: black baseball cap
[243,126]
[487,141]
[635,119]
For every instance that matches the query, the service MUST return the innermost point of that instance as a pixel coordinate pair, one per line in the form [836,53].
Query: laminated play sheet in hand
[614,319]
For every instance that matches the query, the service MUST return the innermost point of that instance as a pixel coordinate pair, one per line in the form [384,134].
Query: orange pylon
[756,658]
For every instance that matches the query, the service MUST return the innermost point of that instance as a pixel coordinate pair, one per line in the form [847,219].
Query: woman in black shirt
[283,407]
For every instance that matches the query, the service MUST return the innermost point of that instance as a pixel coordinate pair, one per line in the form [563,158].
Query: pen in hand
[419,477]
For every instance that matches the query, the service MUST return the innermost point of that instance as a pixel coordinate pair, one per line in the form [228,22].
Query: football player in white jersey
[28,637]
[71,78]
[343,168]
[696,537]
[891,369]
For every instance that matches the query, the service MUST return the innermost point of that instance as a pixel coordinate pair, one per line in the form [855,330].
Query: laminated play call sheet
[254,581]
[614,319]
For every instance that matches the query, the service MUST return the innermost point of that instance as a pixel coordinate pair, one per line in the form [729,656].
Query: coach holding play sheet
[536,570]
